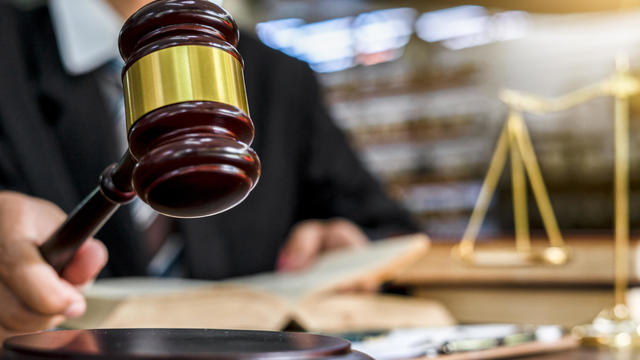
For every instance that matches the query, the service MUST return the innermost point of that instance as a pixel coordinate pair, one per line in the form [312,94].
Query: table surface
[591,263]
[577,354]
[586,354]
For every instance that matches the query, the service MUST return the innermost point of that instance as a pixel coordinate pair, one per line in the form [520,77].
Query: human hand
[311,238]
[32,295]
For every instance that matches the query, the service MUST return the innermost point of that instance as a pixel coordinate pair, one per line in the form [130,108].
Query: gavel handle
[113,190]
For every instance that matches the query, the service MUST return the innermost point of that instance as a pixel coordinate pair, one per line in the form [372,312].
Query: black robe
[56,137]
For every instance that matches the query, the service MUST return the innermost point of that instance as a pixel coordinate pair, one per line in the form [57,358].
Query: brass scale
[613,327]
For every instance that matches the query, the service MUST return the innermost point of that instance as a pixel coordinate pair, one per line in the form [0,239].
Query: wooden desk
[586,354]
[567,295]
[591,264]
[577,354]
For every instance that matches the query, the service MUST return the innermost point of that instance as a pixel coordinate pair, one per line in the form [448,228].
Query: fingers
[5,334]
[310,238]
[341,233]
[15,317]
[302,247]
[27,219]
[40,288]
[49,217]
[32,295]
[86,263]
[365,285]
[35,283]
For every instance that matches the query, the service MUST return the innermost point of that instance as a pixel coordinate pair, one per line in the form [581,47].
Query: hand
[32,295]
[311,238]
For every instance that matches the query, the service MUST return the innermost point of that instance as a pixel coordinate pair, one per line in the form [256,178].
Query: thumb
[302,247]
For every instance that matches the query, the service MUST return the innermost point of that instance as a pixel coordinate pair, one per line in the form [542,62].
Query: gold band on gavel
[183,73]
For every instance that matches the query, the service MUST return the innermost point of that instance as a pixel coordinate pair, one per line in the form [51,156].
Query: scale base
[612,328]
[509,257]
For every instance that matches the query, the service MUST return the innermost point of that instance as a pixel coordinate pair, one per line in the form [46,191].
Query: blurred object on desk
[488,341]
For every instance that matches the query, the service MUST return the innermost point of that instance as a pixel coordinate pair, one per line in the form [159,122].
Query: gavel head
[187,114]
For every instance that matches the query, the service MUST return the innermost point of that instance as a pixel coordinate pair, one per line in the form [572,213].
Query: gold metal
[537,184]
[515,140]
[519,187]
[621,91]
[466,247]
[183,73]
[613,327]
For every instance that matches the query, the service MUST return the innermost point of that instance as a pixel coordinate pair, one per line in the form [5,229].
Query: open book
[312,299]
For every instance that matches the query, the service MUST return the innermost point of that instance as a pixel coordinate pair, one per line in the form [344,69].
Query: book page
[117,288]
[373,264]
[357,312]
[266,301]
[219,306]
[181,304]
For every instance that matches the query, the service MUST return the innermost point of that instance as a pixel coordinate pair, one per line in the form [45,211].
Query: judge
[60,125]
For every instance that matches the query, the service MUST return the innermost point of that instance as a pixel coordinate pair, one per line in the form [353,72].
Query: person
[57,134]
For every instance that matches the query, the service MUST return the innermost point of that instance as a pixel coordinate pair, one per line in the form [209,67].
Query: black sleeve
[336,182]
[11,177]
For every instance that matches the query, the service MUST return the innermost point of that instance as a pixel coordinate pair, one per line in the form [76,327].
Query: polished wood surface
[193,157]
[573,354]
[567,295]
[152,344]
[587,354]
[591,263]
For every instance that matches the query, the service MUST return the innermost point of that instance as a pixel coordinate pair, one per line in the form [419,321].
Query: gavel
[188,123]
[189,133]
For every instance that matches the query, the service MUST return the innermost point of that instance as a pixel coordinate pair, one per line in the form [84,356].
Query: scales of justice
[189,135]
[613,327]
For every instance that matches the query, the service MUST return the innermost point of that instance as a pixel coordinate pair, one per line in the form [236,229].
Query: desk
[566,295]
[586,354]
[591,263]
[577,354]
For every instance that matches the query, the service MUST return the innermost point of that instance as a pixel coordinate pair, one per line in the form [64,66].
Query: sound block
[183,344]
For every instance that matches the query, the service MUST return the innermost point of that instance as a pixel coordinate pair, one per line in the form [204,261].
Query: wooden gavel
[189,134]
[188,123]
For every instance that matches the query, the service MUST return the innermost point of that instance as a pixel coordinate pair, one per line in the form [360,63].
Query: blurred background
[414,84]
